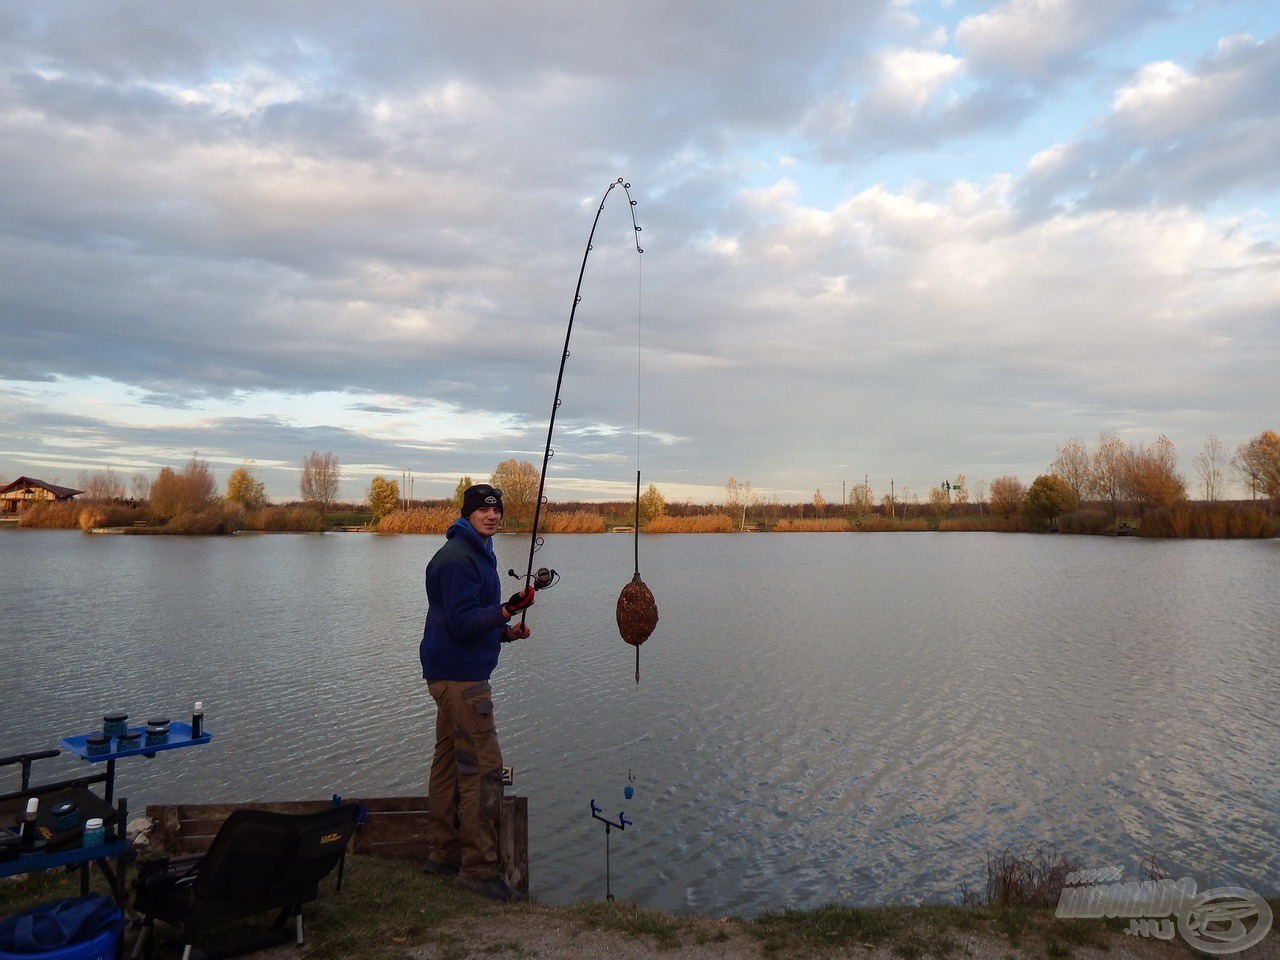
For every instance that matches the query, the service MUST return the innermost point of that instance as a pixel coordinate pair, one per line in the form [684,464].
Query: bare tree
[1209,464]
[1107,476]
[860,499]
[1259,463]
[101,485]
[320,476]
[738,498]
[1073,465]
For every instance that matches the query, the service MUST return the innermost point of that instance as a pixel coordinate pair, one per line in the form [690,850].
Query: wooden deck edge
[393,827]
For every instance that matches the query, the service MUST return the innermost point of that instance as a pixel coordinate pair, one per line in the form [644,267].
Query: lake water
[854,718]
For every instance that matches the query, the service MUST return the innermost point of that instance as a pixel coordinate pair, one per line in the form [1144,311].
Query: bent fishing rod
[544,578]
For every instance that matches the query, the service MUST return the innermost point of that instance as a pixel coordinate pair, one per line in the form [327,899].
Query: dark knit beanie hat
[481,495]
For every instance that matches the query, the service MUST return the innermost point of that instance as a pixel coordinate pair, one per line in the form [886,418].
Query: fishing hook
[534,540]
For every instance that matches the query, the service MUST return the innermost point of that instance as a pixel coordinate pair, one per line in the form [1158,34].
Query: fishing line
[637,610]
[544,577]
[628,790]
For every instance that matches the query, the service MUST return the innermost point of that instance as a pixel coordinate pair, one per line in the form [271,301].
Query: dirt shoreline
[552,933]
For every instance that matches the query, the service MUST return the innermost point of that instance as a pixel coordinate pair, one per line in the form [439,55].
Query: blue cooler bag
[79,928]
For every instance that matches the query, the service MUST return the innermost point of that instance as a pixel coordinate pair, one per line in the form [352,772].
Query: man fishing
[465,628]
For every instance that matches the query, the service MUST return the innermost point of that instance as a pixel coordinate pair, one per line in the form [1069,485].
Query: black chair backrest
[278,857]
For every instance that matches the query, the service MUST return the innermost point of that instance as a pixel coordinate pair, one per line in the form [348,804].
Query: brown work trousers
[465,790]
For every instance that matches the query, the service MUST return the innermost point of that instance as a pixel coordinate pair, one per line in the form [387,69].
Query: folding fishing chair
[259,861]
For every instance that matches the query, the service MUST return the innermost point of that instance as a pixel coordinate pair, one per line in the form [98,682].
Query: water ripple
[868,719]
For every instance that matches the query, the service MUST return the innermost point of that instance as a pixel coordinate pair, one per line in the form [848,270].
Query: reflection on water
[851,718]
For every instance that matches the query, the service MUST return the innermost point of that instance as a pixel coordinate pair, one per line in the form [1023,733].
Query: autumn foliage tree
[1006,496]
[1150,478]
[174,493]
[860,499]
[460,490]
[652,505]
[384,497]
[1048,497]
[244,488]
[518,481]
[939,500]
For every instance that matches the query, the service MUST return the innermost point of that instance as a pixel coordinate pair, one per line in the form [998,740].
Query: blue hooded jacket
[463,633]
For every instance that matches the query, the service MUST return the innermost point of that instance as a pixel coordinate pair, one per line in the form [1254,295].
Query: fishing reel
[542,579]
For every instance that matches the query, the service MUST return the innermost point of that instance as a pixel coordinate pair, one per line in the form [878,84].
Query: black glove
[518,601]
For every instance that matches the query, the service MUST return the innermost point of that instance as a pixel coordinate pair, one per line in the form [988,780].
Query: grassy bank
[389,910]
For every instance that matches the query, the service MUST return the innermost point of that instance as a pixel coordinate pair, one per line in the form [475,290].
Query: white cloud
[1037,39]
[912,77]
[359,230]
[1156,84]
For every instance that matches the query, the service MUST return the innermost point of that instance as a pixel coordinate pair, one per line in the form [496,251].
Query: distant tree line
[186,500]
[1102,488]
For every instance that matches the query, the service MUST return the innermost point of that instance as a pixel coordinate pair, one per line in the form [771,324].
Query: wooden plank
[381,828]
[513,842]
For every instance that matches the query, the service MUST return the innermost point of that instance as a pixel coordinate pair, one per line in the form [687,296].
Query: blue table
[113,855]
[63,858]
[179,736]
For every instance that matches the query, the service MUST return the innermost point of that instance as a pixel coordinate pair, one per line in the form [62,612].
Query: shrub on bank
[1087,520]
[50,516]
[418,520]
[93,517]
[577,521]
[292,519]
[878,524]
[1211,521]
[818,525]
[702,523]
[221,517]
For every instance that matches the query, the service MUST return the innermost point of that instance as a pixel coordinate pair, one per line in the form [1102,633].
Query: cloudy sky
[896,240]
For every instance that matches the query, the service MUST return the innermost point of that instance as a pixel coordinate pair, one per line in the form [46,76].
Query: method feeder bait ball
[637,615]
[637,610]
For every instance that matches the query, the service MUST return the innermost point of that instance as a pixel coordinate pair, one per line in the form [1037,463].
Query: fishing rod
[544,578]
